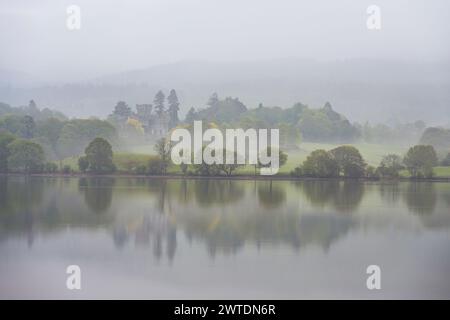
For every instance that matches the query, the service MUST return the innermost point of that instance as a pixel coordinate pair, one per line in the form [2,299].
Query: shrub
[349,161]
[66,169]
[83,163]
[320,164]
[297,172]
[25,156]
[371,172]
[99,155]
[156,166]
[184,168]
[390,166]
[420,160]
[50,167]
[140,169]
[446,161]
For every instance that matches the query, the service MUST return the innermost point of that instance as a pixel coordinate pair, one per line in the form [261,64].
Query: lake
[230,239]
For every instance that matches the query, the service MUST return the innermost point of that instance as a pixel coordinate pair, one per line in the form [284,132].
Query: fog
[122,35]
[208,37]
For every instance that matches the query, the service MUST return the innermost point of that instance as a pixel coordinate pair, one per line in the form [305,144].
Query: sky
[117,36]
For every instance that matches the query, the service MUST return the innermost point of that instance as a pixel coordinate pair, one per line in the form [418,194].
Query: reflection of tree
[171,242]
[323,230]
[183,194]
[160,188]
[209,192]
[153,231]
[97,192]
[223,215]
[343,196]
[319,192]
[37,204]
[20,202]
[227,233]
[390,192]
[120,236]
[271,196]
[420,197]
[446,194]
[162,195]
[3,192]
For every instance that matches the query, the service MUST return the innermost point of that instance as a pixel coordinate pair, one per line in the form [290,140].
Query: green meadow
[132,157]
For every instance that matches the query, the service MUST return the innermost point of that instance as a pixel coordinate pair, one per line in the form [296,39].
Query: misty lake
[170,239]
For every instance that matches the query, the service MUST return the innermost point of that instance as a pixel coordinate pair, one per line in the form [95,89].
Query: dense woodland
[34,139]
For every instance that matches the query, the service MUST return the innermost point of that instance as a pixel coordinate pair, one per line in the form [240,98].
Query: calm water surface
[162,239]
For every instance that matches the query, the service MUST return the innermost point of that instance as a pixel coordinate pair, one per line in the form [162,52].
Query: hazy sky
[122,35]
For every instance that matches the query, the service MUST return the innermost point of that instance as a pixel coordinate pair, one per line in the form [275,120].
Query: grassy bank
[372,153]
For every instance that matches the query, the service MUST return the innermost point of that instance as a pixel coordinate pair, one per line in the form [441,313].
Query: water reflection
[271,195]
[343,196]
[223,215]
[211,192]
[420,197]
[154,231]
[97,192]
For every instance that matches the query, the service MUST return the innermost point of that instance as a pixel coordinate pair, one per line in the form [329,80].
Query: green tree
[12,123]
[204,169]
[5,139]
[297,172]
[28,127]
[320,163]
[77,133]
[371,172]
[32,105]
[83,163]
[289,135]
[439,138]
[48,132]
[390,166]
[25,156]
[420,160]
[228,168]
[184,168]
[282,158]
[446,161]
[315,126]
[66,169]
[213,100]
[22,126]
[349,160]
[173,108]
[158,101]
[156,166]
[223,111]
[100,156]
[50,167]
[163,148]
[190,116]
[122,110]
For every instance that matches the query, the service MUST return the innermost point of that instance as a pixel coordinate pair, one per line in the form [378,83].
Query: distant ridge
[362,89]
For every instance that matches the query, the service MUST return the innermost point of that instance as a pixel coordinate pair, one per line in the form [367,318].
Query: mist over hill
[364,90]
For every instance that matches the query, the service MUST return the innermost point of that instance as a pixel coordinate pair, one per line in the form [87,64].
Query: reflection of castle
[155,124]
[152,230]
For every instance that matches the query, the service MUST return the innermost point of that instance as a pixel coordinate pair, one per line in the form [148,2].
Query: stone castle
[155,124]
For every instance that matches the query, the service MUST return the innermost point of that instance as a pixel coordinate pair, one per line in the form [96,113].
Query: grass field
[443,172]
[123,161]
[372,153]
[139,155]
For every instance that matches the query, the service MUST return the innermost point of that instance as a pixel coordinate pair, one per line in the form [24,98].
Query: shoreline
[233,177]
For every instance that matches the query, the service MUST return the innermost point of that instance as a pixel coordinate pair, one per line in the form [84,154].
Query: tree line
[346,161]
[34,140]
[25,156]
